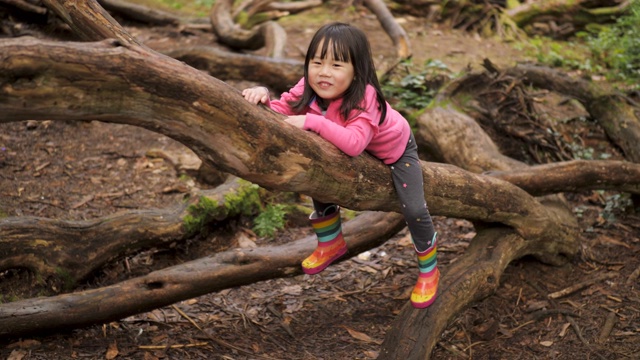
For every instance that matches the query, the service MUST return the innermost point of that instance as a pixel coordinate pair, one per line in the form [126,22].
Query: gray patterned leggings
[407,179]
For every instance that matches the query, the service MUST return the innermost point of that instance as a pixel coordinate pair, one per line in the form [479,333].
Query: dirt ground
[86,170]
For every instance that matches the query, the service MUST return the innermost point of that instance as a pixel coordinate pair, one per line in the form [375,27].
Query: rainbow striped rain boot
[331,244]
[424,293]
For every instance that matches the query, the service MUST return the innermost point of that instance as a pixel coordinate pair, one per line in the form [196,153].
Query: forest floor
[86,170]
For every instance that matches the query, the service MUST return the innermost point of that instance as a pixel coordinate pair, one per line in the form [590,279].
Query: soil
[86,170]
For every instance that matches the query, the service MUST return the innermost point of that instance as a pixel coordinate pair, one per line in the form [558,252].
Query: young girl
[340,99]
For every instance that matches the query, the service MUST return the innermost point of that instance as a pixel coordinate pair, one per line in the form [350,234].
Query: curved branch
[575,176]
[268,34]
[140,13]
[78,248]
[477,273]
[396,32]
[164,287]
[279,74]
[90,21]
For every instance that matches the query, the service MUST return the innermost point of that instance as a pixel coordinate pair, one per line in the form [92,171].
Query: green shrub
[272,218]
[618,45]
[413,92]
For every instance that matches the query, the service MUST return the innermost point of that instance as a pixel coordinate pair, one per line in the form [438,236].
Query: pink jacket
[387,141]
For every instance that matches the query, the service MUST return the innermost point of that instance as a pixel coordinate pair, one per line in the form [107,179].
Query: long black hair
[348,44]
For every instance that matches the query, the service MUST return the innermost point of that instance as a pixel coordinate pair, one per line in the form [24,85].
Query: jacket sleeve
[355,135]
[352,139]
[282,106]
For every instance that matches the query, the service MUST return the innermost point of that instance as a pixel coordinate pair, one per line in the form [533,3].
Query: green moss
[246,201]
[68,281]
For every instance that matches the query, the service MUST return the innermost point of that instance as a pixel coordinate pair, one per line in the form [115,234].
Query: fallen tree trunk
[278,74]
[164,287]
[72,250]
[574,176]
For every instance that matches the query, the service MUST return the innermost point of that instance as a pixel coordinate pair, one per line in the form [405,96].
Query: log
[223,270]
[75,249]
[390,25]
[575,176]
[25,6]
[268,34]
[279,74]
[90,21]
[139,12]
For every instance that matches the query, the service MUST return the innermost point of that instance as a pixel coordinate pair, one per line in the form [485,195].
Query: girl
[340,99]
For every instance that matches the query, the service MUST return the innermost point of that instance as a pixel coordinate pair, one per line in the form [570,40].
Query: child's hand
[296,120]
[255,95]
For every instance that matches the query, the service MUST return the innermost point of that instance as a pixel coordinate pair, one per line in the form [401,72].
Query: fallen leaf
[112,351]
[17,355]
[25,344]
[372,354]
[563,332]
[361,336]
[245,242]
[546,343]
[190,301]
[292,290]
[84,200]
[604,240]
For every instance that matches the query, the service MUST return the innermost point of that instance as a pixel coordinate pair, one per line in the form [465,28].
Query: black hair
[349,44]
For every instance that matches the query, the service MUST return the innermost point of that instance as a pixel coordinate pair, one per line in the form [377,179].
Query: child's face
[329,78]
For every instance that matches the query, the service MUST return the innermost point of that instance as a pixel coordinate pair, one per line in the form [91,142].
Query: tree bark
[164,287]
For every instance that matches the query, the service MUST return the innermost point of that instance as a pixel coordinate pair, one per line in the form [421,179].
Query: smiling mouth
[324,85]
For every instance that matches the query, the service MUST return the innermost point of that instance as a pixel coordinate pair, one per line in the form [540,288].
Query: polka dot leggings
[409,184]
[407,179]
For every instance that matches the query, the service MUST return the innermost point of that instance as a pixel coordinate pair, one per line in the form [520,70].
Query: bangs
[339,47]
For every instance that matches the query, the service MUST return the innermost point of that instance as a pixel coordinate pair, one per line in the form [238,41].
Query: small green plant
[271,219]
[614,204]
[560,54]
[412,92]
[68,282]
[205,3]
[618,46]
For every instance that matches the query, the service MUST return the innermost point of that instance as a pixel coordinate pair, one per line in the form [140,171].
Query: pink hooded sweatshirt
[361,133]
